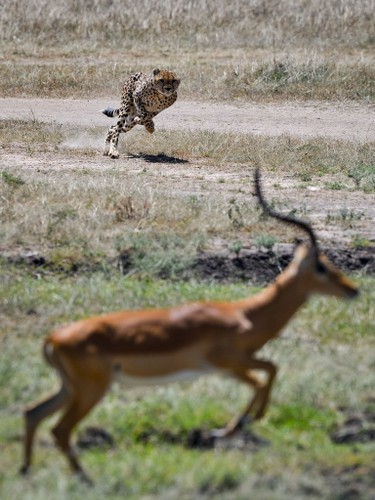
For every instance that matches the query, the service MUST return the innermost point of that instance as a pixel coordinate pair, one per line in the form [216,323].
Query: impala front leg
[257,405]
[263,388]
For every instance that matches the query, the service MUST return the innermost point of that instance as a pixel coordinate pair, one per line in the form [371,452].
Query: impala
[161,345]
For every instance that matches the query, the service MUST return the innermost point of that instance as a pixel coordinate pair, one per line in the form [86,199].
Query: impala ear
[300,253]
[305,257]
[155,71]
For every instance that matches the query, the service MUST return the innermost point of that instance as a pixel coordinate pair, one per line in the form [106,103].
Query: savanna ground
[285,86]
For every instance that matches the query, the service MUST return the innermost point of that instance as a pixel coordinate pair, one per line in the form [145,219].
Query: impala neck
[271,309]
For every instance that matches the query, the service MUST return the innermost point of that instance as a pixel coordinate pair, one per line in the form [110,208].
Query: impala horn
[301,224]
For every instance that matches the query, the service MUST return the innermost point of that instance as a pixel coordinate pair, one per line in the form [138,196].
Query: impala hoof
[200,439]
[85,478]
[24,470]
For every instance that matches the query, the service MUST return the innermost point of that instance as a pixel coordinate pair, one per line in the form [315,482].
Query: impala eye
[321,268]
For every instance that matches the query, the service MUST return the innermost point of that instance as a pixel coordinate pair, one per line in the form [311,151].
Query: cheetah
[143,97]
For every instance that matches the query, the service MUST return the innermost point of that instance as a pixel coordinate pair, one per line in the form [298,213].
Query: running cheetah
[143,97]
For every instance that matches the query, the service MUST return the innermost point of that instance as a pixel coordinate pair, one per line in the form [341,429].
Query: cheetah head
[166,82]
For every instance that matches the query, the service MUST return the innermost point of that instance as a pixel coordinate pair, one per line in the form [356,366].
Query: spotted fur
[143,97]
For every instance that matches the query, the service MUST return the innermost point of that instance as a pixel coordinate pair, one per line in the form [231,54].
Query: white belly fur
[179,377]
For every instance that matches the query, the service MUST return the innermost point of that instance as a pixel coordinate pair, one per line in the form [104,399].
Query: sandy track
[352,122]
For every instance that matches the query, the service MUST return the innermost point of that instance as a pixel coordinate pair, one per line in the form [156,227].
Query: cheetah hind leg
[125,124]
[112,139]
[108,140]
[113,152]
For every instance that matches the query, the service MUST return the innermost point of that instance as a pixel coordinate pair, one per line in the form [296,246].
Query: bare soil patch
[261,266]
[254,265]
[357,428]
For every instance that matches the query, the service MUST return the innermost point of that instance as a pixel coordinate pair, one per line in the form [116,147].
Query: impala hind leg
[87,393]
[34,416]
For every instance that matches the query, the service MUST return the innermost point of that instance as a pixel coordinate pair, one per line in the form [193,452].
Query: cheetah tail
[111,112]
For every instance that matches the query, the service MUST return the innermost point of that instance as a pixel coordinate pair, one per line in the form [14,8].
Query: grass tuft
[11,180]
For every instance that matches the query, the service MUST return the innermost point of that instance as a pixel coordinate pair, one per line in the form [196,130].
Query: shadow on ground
[244,440]
[159,158]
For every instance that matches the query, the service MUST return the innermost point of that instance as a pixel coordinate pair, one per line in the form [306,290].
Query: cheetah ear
[155,71]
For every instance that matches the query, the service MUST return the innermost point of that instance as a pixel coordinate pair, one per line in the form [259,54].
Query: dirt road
[352,122]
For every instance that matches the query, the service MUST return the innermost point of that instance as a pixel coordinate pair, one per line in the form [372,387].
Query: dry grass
[87,217]
[305,159]
[176,24]
[313,78]
[260,78]
[161,208]
[259,50]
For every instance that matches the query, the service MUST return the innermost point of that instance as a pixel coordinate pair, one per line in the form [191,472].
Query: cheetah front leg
[147,122]
[143,117]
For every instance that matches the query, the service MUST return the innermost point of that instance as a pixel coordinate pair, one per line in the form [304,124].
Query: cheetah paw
[113,154]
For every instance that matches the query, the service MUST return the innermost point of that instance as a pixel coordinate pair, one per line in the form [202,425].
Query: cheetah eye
[161,81]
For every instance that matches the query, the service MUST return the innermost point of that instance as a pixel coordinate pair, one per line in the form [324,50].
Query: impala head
[316,269]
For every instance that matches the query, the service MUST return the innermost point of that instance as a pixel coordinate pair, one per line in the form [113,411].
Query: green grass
[326,371]
[11,180]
